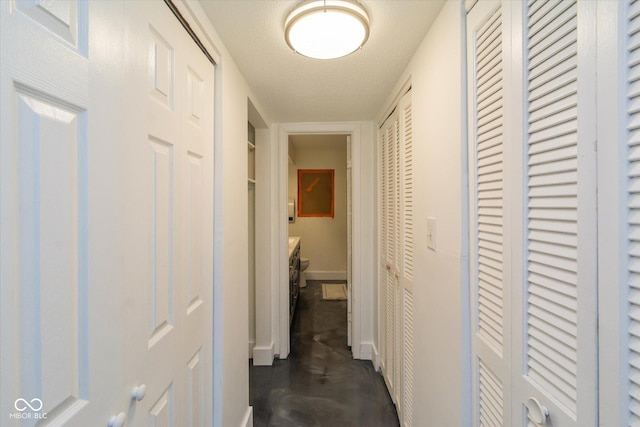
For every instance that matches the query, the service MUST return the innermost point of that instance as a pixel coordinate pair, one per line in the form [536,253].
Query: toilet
[304,264]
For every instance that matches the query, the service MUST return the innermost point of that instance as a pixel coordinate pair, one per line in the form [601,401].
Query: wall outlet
[432,225]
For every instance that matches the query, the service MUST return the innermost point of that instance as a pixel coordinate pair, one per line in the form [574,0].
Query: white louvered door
[388,250]
[555,357]
[396,254]
[533,212]
[632,338]
[405,149]
[490,308]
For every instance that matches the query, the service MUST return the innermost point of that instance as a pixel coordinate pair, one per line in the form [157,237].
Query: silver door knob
[139,392]
[117,420]
[537,411]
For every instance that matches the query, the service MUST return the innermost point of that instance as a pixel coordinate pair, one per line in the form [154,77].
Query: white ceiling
[292,88]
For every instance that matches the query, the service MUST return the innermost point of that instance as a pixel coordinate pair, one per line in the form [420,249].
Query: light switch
[432,225]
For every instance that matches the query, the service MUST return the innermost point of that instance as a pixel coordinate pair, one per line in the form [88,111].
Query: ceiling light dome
[326,29]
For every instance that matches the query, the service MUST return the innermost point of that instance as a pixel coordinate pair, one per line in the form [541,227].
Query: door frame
[352,129]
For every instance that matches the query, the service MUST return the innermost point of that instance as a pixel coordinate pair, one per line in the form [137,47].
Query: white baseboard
[376,357]
[326,275]
[248,418]
[366,351]
[263,356]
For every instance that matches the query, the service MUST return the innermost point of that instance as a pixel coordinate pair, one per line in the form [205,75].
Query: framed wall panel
[316,192]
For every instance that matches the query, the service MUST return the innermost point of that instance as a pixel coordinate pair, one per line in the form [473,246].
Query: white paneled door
[60,285]
[169,220]
[533,212]
[106,181]
[396,256]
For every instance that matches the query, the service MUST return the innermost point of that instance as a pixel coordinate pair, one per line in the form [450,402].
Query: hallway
[148,156]
[320,384]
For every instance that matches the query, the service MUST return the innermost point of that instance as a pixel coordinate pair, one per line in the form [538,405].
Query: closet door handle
[537,411]
[117,420]
[139,392]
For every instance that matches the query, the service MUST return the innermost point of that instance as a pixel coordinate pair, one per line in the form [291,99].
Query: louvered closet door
[633,207]
[555,358]
[388,254]
[396,254]
[533,246]
[489,270]
[405,150]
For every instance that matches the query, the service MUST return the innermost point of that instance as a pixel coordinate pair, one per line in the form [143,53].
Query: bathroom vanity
[294,274]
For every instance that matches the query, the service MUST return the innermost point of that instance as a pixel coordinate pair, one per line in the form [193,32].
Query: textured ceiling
[292,88]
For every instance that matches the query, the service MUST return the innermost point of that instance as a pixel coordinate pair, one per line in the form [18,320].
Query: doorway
[351,130]
[325,244]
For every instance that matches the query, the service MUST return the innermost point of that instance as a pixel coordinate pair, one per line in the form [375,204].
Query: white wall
[231,252]
[266,267]
[252,267]
[365,239]
[441,345]
[323,240]
[231,374]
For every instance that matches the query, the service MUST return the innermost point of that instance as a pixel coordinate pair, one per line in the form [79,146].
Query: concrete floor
[320,384]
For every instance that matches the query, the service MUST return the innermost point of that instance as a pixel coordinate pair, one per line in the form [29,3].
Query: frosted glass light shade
[326,29]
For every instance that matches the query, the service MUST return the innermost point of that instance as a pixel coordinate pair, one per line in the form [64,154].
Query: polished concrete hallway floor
[320,384]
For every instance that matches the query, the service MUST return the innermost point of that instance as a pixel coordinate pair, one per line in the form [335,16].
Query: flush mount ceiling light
[326,29]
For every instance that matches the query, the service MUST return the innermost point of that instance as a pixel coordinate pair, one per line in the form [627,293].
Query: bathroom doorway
[353,271]
[323,161]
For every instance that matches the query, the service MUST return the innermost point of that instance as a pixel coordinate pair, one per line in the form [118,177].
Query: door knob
[388,266]
[117,420]
[139,392]
[537,411]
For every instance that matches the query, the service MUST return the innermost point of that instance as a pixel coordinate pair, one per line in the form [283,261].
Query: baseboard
[376,357]
[366,351]
[248,418]
[326,275]
[263,356]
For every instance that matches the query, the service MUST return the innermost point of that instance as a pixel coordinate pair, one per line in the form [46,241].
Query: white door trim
[282,311]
